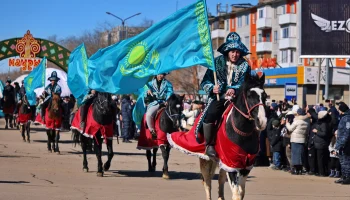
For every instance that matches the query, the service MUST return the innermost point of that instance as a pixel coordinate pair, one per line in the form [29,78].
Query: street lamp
[123,20]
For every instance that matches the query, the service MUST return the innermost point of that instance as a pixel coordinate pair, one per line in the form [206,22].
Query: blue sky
[72,17]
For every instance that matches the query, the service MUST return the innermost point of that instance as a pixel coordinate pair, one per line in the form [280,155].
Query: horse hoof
[151,169]
[28,141]
[24,140]
[52,151]
[58,153]
[85,170]
[99,174]
[166,176]
[106,167]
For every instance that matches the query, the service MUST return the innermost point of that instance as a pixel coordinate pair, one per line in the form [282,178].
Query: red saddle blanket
[145,140]
[231,156]
[49,123]
[24,118]
[92,127]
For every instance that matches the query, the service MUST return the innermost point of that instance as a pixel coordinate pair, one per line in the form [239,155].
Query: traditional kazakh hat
[233,41]
[53,77]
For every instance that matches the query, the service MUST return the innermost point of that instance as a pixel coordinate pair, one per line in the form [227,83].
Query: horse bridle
[247,116]
[170,115]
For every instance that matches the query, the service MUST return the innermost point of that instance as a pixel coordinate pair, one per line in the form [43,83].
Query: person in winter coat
[276,144]
[126,118]
[343,143]
[334,154]
[299,130]
[334,115]
[311,113]
[286,138]
[323,135]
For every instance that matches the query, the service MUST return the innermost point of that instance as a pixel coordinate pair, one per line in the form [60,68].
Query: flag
[78,73]
[179,41]
[34,80]
[140,107]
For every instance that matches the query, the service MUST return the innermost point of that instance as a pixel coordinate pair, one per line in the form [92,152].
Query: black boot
[346,180]
[209,136]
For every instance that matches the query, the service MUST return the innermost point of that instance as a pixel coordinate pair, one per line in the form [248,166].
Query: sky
[65,18]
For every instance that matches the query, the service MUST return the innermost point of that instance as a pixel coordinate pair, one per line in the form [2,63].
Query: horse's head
[102,103]
[253,98]
[174,109]
[24,105]
[55,104]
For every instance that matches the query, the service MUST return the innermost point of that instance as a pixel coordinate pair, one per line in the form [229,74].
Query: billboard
[290,91]
[325,29]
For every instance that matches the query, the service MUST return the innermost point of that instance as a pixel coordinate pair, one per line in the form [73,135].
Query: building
[271,31]
[116,34]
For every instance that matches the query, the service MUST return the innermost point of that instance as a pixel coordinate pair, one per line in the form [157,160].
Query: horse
[100,123]
[167,120]
[53,121]
[9,104]
[24,117]
[237,140]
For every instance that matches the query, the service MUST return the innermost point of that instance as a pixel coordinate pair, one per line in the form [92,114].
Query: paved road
[28,171]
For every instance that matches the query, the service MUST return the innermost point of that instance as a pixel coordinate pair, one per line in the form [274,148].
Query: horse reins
[171,115]
[247,116]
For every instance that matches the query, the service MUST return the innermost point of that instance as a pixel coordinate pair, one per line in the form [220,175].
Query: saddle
[159,111]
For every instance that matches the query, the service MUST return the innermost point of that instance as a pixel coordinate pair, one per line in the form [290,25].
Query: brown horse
[24,117]
[53,121]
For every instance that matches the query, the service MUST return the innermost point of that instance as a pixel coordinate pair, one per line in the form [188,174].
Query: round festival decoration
[139,60]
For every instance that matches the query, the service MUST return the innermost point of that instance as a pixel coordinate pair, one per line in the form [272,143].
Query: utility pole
[318,81]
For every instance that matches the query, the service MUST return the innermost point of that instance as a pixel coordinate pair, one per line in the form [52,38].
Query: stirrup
[212,155]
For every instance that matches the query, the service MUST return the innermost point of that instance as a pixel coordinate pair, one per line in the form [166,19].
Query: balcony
[286,43]
[264,23]
[218,33]
[287,19]
[264,47]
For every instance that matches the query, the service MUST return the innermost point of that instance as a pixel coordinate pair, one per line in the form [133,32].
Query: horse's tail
[75,137]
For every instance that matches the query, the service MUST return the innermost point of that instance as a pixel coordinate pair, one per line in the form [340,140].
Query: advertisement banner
[325,28]
[290,91]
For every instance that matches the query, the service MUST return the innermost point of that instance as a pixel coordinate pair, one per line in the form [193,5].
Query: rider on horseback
[53,88]
[159,91]
[8,102]
[231,68]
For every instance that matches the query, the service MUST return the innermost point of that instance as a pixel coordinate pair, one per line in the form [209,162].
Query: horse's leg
[53,136]
[107,164]
[6,121]
[57,139]
[84,142]
[23,130]
[154,160]
[237,182]
[165,154]
[10,119]
[28,131]
[207,168]
[98,151]
[48,133]
[222,180]
[149,157]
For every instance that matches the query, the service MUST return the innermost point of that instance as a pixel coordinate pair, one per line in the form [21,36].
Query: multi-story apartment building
[271,31]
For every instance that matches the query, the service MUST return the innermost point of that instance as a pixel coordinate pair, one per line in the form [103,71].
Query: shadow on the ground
[173,175]
[14,182]
[105,153]
[61,141]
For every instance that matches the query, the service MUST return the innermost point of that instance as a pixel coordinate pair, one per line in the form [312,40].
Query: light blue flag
[140,107]
[78,73]
[34,80]
[179,41]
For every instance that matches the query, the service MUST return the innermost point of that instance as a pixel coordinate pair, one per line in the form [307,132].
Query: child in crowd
[276,144]
[334,154]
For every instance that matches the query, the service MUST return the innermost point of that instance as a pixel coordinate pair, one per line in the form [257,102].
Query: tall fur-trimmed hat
[233,41]
[53,77]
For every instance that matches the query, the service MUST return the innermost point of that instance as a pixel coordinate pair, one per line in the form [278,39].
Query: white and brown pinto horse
[237,140]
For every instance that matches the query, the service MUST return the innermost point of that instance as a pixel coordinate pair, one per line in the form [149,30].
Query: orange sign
[262,63]
[27,48]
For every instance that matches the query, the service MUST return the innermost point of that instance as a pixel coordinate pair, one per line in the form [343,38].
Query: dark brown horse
[53,120]
[24,117]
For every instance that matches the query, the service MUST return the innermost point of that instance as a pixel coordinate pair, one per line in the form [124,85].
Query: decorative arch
[51,50]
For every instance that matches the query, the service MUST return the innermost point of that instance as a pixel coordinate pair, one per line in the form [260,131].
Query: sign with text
[290,91]
[27,48]
[325,29]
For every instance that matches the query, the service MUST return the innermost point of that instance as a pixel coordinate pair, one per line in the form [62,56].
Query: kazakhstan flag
[140,107]
[34,80]
[182,40]
[78,74]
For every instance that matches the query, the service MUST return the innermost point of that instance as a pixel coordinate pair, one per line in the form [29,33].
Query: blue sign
[291,91]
